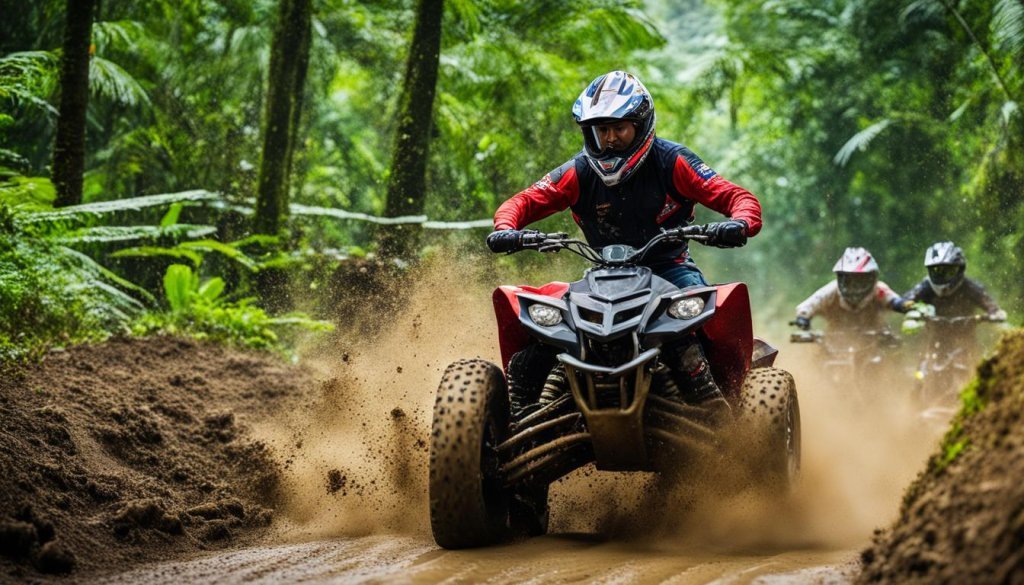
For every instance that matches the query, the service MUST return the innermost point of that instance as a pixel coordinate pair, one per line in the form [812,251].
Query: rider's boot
[697,385]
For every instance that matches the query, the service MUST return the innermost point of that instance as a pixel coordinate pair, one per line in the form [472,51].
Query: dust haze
[356,459]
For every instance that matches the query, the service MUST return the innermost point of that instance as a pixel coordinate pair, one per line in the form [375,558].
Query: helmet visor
[854,286]
[943,273]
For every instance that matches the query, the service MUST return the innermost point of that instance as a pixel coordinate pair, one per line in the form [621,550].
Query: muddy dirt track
[347,434]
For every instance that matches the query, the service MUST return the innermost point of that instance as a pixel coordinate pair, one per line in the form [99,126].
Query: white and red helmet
[610,98]
[856,274]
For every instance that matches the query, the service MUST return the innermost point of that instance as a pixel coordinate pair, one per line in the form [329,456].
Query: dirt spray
[356,456]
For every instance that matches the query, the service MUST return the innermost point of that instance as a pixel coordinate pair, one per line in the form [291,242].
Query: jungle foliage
[888,124]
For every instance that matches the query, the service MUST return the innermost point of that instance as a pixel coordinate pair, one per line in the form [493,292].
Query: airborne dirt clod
[133,450]
[962,521]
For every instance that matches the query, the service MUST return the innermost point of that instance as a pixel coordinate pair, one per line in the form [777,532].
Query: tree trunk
[69,146]
[289,59]
[407,181]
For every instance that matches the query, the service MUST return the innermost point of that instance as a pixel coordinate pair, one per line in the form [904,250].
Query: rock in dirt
[55,558]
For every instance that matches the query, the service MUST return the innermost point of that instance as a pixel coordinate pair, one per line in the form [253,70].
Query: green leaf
[179,285]
[156,251]
[171,217]
[226,249]
[211,289]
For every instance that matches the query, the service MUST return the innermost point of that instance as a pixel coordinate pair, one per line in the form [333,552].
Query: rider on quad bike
[626,186]
[948,289]
[855,300]
[946,304]
[637,366]
[855,305]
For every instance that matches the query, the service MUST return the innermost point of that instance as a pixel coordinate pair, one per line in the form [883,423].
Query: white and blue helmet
[609,98]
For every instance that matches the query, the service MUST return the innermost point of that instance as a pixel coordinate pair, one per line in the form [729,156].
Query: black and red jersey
[661,194]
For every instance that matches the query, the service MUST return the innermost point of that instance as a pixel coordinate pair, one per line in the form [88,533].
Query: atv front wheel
[469,505]
[770,414]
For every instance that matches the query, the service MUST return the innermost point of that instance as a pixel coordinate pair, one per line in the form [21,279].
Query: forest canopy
[876,123]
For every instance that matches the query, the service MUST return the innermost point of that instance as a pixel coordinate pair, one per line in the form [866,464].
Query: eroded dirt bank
[962,521]
[134,450]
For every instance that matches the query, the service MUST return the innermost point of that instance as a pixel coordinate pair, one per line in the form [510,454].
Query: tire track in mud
[551,559]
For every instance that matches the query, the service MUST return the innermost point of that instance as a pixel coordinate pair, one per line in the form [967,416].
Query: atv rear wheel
[770,413]
[469,505]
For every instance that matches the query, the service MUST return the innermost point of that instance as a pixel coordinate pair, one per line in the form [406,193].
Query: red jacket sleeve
[558,190]
[696,181]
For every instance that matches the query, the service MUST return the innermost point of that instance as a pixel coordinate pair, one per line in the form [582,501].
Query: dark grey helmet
[946,264]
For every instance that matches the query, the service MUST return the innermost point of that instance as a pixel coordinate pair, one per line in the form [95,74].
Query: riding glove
[802,322]
[505,241]
[726,234]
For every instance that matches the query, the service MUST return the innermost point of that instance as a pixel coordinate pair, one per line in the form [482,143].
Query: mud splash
[356,457]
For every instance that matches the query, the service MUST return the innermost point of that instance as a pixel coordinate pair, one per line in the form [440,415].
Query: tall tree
[289,60]
[69,147]
[406,193]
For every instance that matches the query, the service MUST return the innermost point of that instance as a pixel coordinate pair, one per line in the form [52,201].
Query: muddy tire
[770,419]
[469,506]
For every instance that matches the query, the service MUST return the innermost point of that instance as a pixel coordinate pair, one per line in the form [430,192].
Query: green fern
[860,141]
[105,234]
[120,205]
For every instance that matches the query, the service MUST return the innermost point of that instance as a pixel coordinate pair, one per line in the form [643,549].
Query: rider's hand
[802,322]
[505,241]
[726,234]
[999,316]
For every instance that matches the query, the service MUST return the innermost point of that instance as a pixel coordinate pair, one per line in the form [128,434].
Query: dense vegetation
[887,124]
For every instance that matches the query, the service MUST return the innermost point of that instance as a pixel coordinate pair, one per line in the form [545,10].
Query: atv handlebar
[960,320]
[553,242]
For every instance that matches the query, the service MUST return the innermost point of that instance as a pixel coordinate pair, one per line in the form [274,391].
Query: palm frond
[156,251]
[921,10]
[1008,26]
[102,234]
[111,81]
[118,205]
[860,141]
[29,78]
[120,34]
[99,270]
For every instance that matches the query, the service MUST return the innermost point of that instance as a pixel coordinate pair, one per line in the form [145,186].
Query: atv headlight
[687,308]
[545,316]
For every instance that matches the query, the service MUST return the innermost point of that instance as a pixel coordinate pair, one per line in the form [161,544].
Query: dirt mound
[135,449]
[962,520]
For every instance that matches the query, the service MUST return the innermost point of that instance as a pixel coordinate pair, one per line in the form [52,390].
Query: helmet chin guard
[610,98]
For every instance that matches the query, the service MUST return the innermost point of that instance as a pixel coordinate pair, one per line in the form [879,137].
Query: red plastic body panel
[511,335]
[730,332]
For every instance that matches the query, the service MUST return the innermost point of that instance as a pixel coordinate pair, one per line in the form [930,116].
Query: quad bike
[948,358]
[852,360]
[606,400]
